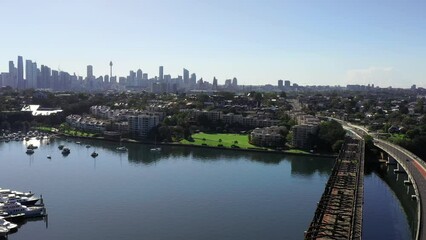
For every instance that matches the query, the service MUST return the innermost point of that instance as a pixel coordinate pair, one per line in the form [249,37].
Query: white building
[140,125]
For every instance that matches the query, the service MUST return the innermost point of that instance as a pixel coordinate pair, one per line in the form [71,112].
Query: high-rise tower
[89,71]
[21,83]
[161,75]
[110,68]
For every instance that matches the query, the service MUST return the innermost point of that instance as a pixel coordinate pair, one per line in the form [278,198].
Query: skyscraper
[280,84]
[13,81]
[161,74]
[34,75]
[214,83]
[193,81]
[29,74]
[110,69]
[89,71]
[21,83]
[185,77]
[234,82]
[287,83]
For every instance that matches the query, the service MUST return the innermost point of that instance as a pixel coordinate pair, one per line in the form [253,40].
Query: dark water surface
[182,193]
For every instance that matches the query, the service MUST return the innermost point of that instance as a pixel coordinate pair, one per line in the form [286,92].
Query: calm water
[182,193]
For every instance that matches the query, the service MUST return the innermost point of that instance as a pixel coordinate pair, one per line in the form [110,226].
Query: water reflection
[142,154]
[391,206]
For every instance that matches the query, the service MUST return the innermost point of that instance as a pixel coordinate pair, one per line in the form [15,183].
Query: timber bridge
[339,212]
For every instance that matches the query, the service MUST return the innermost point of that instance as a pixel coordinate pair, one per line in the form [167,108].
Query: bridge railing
[397,152]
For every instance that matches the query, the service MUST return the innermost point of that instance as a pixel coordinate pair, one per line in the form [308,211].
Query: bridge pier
[399,168]
[391,161]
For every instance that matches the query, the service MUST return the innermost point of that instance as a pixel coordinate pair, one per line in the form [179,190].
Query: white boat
[6,224]
[27,201]
[17,193]
[121,149]
[13,208]
[155,149]
[3,231]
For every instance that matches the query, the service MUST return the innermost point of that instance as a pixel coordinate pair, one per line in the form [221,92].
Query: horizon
[309,43]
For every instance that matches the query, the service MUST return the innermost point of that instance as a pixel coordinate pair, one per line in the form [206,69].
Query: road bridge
[415,168]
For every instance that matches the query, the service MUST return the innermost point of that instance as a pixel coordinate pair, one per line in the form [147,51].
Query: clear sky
[308,42]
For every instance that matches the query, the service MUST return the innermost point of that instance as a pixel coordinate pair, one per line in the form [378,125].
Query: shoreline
[126,140]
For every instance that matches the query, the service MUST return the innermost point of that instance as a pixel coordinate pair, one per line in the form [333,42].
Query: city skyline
[310,42]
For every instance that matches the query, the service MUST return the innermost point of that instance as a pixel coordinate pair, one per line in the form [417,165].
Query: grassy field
[227,140]
[78,133]
[297,151]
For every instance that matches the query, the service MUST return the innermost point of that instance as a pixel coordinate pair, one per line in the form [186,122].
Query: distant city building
[21,83]
[89,71]
[193,81]
[287,83]
[280,84]
[186,77]
[161,73]
[214,83]
[234,82]
[13,80]
[30,74]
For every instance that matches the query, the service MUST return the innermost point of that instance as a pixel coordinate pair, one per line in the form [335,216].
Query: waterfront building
[268,136]
[141,125]
[302,135]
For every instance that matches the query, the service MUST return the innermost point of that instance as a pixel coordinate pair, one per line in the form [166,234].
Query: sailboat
[156,149]
[121,148]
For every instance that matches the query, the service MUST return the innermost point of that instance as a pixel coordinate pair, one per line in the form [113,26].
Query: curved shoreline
[126,140]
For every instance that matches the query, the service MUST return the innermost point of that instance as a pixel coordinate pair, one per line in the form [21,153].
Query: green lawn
[44,129]
[78,133]
[227,140]
[296,151]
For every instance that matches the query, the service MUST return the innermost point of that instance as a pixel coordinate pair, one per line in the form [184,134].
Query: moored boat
[66,151]
[27,201]
[94,154]
[3,231]
[6,224]
[121,149]
[14,208]
[61,147]
[29,151]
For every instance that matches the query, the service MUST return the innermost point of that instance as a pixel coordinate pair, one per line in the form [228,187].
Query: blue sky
[308,42]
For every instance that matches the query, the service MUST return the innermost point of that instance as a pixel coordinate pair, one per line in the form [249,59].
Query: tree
[329,132]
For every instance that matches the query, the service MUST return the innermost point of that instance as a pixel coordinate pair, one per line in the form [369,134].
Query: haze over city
[259,42]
